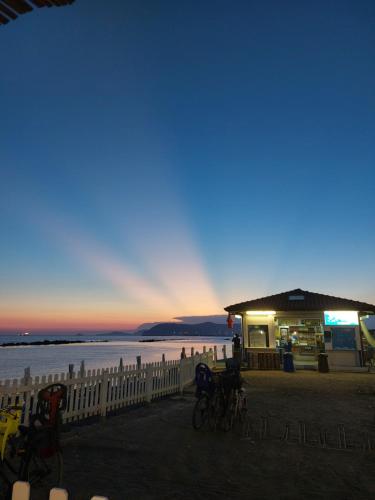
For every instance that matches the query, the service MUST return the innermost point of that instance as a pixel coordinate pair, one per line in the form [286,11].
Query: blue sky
[165,158]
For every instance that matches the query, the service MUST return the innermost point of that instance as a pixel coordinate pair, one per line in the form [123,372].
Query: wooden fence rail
[101,391]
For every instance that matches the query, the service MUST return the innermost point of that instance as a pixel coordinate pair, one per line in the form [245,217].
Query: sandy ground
[152,452]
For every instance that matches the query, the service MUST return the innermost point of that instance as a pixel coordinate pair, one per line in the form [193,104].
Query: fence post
[182,374]
[104,393]
[21,490]
[71,370]
[210,357]
[215,355]
[121,366]
[192,367]
[27,375]
[183,353]
[139,362]
[225,351]
[192,352]
[204,349]
[58,494]
[149,382]
[82,368]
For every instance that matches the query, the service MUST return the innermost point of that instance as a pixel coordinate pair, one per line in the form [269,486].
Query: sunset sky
[169,158]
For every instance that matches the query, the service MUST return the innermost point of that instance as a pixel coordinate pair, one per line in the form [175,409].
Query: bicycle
[221,399]
[205,389]
[10,420]
[237,408]
[33,453]
[230,403]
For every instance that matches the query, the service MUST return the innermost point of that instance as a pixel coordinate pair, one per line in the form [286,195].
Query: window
[343,339]
[296,297]
[258,335]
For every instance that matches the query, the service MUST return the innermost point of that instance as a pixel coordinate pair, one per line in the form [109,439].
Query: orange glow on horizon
[70,318]
[169,281]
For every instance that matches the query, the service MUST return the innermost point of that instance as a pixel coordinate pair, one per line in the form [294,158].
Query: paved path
[153,453]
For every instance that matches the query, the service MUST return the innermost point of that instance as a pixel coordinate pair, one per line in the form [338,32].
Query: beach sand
[152,452]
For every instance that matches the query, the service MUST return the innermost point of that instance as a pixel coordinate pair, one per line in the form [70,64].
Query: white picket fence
[98,392]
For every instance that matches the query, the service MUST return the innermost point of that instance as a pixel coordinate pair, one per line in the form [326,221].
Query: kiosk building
[310,323]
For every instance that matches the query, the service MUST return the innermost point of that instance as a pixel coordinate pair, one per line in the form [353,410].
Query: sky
[163,159]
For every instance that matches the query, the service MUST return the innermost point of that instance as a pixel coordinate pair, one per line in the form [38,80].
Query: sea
[51,359]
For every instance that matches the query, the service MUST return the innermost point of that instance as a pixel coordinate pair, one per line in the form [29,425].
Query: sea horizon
[51,359]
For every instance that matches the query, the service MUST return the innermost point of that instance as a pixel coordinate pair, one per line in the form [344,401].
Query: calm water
[55,359]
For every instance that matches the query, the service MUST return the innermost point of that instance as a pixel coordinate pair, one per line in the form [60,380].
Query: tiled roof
[11,9]
[301,300]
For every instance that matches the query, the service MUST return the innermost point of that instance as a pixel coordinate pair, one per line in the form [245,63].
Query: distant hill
[136,331]
[145,326]
[207,329]
[114,334]
[220,319]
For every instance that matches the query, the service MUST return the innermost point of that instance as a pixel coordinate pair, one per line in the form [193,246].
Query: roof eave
[241,308]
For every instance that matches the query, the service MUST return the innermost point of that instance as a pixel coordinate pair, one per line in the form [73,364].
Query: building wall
[343,358]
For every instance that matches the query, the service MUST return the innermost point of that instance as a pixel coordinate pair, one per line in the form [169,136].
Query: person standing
[236,340]
[370,357]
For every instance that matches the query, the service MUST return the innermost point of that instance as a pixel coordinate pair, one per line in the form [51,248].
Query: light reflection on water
[55,359]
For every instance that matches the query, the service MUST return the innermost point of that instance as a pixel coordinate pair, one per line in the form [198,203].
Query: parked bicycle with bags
[221,401]
[33,453]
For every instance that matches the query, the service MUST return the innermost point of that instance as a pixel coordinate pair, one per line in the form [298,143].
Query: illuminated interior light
[238,316]
[260,313]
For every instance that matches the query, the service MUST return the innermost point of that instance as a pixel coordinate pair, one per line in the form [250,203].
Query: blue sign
[338,318]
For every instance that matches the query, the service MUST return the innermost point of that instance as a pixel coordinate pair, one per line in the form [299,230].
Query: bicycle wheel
[9,468]
[200,412]
[5,487]
[230,413]
[242,408]
[43,473]
[216,411]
